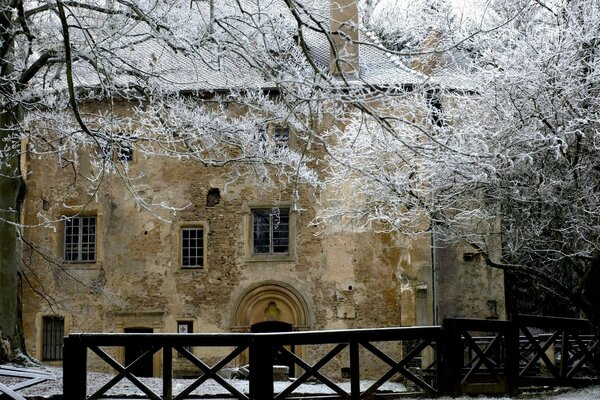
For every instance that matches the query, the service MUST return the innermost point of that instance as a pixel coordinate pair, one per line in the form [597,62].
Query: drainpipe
[434,275]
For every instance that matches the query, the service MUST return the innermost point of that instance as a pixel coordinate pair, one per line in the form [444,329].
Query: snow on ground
[211,388]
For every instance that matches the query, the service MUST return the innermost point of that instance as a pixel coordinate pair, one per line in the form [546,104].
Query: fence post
[167,372]
[440,360]
[354,370]
[564,355]
[512,357]
[74,368]
[261,368]
[452,356]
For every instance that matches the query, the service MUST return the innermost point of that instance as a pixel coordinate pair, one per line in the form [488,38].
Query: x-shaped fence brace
[124,372]
[396,367]
[539,353]
[208,372]
[577,354]
[583,356]
[399,367]
[481,356]
[313,370]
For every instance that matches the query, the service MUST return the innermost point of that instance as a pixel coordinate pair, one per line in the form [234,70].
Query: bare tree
[498,145]
[58,57]
[178,79]
[511,155]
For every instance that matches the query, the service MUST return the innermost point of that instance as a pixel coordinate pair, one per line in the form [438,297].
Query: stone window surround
[85,244]
[191,321]
[53,330]
[178,244]
[271,134]
[39,328]
[249,255]
[60,237]
[270,231]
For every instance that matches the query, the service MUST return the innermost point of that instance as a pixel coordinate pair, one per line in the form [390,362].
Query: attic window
[281,136]
[124,153]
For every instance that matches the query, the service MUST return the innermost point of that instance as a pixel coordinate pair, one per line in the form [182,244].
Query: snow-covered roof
[376,66]
[207,67]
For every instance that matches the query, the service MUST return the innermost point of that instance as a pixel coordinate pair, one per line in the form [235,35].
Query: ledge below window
[287,258]
[92,265]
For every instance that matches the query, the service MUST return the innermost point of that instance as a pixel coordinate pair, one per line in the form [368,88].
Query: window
[192,247]
[185,327]
[281,137]
[124,153]
[80,239]
[270,231]
[53,330]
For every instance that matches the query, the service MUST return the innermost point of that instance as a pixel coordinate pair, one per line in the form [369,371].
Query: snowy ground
[213,389]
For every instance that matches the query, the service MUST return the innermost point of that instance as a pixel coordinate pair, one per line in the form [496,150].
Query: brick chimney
[343,24]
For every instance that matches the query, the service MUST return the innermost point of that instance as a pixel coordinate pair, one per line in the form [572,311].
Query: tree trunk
[11,186]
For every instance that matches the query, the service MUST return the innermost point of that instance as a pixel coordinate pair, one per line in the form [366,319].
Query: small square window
[80,239]
[186,327]
[124,153]
[281,137]
[53,331]
[192,247]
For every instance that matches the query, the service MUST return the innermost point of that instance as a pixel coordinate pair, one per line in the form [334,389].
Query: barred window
[53,331]
[80,239]
[192,247]
[270,231]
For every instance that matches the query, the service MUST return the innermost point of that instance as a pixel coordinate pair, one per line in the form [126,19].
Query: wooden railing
[481,356]
[462,356]
[263,348]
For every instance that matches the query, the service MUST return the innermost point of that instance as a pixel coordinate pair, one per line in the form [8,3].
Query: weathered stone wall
[349,280]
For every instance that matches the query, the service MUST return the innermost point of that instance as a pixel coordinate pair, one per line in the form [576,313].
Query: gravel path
[212,389]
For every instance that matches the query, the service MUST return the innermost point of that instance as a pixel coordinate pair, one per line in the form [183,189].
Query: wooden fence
[461,356]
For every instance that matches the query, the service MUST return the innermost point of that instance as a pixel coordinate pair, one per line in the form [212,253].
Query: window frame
[124,153]
[182,247]
[67,247]
[180,226]
[271,233]
[56,338]
[281,136]
[190,324]
[249,254]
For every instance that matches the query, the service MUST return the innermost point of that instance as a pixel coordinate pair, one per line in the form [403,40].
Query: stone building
[239,255]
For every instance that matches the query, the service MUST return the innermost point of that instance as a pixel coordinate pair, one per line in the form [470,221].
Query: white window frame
[180,226]
[199,254]
[68,248]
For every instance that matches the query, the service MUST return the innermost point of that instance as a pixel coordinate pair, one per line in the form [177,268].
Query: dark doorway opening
[277,326]
[143,368]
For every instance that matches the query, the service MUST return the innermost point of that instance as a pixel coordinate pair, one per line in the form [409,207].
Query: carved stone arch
[270,301]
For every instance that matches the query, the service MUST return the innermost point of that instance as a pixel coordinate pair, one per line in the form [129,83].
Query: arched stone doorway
[270,301]
[270,304]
